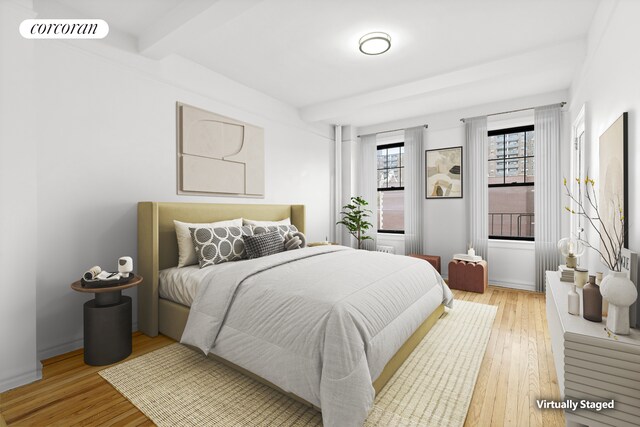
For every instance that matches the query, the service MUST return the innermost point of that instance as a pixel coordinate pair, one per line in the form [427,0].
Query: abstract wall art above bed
[218,156]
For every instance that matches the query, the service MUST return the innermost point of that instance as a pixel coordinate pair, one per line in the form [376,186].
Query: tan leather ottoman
[468,276]
[432,259]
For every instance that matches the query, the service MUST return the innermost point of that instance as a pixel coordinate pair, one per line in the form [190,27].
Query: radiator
[386,249]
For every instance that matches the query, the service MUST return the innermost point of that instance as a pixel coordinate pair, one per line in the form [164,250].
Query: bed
[245,284]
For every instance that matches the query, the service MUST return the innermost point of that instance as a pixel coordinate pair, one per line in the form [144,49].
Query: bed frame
[158,249]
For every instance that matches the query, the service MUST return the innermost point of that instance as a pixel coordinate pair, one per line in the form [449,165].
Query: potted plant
[354,217]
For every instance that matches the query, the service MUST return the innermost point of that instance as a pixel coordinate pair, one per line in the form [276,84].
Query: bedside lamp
[571,249]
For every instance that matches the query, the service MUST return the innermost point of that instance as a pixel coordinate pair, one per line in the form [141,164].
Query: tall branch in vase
[354,217]
[611,240]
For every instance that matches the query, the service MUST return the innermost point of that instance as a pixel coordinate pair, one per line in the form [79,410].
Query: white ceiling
[444,54]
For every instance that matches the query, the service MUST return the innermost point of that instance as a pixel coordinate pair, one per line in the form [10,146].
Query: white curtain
[476,184]
[368,183]
[547,197]
[413,190]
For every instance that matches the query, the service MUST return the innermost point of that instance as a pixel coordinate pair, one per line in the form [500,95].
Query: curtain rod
[561,104]
[392,130]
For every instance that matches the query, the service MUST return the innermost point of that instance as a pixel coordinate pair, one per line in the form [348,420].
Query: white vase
[621,293]
[573,301]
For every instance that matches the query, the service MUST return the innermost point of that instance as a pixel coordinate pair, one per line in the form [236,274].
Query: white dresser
[590,364]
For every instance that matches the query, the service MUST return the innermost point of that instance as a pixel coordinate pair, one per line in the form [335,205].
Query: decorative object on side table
[571,249]
[566,274]
[605,303]
[573,301]
[354,217]
[107,322]
[620,291]
[616,287]
[125,266]
[581,277]
[592,301]
[471,251]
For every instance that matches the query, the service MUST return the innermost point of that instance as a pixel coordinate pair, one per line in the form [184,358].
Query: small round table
[107,323]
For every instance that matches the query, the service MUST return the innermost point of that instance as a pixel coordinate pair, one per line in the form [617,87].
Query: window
[391,188]
[511,183]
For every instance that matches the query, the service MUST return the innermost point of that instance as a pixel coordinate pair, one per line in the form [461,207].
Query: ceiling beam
[572,51]
[186,22]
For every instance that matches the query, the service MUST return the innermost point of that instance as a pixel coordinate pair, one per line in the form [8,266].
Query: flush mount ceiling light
[375,43]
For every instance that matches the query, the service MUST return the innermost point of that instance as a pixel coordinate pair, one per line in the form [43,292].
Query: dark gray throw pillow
[260,245]
[218,245]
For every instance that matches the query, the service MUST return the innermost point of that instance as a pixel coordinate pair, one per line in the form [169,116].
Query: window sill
[511,244]
[390,236]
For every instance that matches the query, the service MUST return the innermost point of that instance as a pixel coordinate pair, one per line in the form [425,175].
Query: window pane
[394,178]
[402,156]
[394,157]
[514,144]
[511,211]
[382,179]
[530,169]
[391,210]
[514,170]
[382,159]
[531,138]
[496,172]
[495,144]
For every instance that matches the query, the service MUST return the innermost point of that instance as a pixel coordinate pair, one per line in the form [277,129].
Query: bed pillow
[294,240]
[282,229]
[186,253]
[264,244]
[218,245]
[252,222]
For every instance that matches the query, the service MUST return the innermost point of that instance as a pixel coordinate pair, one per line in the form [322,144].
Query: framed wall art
[217,155]
[443,173]
[614,175]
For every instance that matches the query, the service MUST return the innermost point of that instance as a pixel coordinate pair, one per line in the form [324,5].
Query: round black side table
[107,323]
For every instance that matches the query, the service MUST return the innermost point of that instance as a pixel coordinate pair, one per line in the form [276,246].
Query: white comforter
[319,322]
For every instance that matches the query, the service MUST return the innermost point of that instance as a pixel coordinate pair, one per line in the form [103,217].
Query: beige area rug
[177,386]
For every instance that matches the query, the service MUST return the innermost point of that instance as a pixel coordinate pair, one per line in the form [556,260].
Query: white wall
[18,221]
[445,221]
[608,84]
[512,264]
[104,121]
[107,139]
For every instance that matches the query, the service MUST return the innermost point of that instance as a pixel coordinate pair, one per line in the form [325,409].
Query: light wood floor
[517,368]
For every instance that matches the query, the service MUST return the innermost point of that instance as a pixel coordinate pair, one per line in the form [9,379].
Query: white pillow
[254,223]
[186,252]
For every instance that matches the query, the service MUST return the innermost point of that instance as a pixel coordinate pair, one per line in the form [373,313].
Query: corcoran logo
[64,29]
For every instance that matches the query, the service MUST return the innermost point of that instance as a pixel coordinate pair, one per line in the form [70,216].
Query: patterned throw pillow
[294,240]
[218,245]
[282,229]
[264,244]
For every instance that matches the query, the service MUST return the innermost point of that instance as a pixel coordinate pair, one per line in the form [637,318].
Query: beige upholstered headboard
[158,247]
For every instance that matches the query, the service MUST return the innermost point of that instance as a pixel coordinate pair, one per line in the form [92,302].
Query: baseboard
[521,286]
[60,349]
[20,380]
[68,347]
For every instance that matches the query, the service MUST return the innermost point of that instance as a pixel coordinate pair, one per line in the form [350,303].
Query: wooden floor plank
[517,367]
[535,417]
